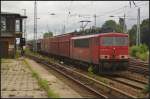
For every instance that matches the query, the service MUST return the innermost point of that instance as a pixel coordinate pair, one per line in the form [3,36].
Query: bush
[143,56]
[143,48]
[90,70]
[147,89]
[134,50]
[17,54]
[139,51]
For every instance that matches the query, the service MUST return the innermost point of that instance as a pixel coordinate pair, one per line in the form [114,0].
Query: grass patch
[140,52]
[103,80]
[90,70]
[146,89]
[42,82]
[17,54]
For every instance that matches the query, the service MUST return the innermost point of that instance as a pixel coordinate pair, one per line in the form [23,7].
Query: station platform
[17,80]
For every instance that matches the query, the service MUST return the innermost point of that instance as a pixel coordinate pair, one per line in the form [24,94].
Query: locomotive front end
[113,51]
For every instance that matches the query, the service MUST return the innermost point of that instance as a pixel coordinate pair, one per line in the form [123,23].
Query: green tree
[145,34]
[48,34]
[111,26]
[121,24]
[91,30]
[98,30]
[119,28]
[132,35]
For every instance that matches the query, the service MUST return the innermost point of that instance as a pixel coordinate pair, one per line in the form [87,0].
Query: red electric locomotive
[106,51]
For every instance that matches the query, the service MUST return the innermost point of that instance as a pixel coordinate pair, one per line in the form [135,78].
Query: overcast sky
[86,9]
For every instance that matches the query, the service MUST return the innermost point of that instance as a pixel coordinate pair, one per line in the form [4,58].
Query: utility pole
[124,24]
[138,41]
[64,28]
[95,20]
[139,26]
[35,26]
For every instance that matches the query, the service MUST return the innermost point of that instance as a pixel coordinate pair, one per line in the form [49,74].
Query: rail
[138,67]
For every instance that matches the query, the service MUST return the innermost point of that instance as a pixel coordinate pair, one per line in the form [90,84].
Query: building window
[83,43]
[3,23]
[17,26]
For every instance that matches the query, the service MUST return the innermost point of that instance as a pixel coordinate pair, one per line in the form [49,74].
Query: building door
[4,49]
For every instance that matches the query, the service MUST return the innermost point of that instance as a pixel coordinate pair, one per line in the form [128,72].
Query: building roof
[12,14]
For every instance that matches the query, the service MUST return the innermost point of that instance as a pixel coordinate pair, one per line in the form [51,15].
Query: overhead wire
[118,9]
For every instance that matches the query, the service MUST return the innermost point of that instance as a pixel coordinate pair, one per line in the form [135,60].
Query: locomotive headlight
[123,56]
[104,56]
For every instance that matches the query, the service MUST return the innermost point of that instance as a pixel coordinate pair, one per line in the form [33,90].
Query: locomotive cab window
[84,43]
[114,41]
[121,41]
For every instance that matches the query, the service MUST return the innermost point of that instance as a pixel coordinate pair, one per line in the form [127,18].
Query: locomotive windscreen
[114,41]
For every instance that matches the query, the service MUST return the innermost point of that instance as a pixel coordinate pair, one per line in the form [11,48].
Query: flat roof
[96,35]
[12,14]
[70,33]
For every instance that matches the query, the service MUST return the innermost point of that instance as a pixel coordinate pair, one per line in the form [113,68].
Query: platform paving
[17,81]
[55,84]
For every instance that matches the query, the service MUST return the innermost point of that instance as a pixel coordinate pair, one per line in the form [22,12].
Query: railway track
[138,67]
[128,82]
[134,77]
[95,86]
[143,63]
[130,86]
